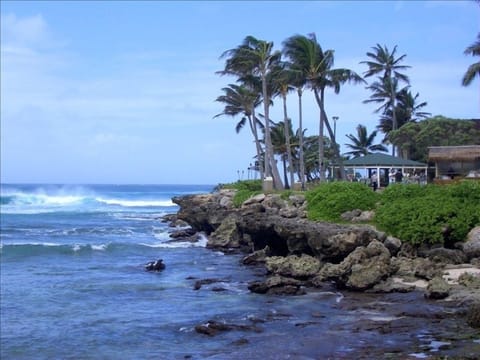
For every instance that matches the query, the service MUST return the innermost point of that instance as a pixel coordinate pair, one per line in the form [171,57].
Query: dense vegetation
[417,214]
[414,213]
[430,214]
[329,200]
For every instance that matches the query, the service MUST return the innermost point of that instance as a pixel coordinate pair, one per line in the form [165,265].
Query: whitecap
[76,247]
[136,203]
[101,247]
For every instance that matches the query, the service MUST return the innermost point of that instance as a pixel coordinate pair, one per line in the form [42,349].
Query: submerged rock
[157,265]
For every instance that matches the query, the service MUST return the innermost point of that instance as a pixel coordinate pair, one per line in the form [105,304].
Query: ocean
[74,286]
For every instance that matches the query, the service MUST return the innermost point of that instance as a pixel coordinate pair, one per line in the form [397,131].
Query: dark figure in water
[155,265]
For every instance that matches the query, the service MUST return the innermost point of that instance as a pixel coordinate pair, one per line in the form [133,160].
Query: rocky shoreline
[299,254]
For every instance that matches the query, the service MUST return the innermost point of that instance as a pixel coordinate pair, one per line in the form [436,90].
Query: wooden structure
[455,162]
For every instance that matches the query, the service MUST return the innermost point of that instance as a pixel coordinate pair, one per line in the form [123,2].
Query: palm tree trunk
[321,147]
[394,115]
[271,168]
[285,175]
[253,125]
[300,125]
[287,140]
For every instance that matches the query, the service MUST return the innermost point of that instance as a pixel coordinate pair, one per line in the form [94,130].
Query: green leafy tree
[417,137]
[363,143]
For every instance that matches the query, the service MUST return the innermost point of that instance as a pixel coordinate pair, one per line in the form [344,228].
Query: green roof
[381,160]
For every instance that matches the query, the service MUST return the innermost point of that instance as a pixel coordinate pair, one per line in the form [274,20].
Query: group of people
[395,176]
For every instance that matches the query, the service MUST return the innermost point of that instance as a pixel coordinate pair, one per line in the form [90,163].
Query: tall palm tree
[362,144]
[298,79]
[474,69]
[307,56]
[384,63]
[241,100]
[256,57]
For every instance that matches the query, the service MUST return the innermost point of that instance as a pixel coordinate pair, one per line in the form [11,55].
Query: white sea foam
[135,203]
[101,247]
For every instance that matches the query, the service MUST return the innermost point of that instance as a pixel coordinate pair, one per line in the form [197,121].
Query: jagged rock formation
[298,252]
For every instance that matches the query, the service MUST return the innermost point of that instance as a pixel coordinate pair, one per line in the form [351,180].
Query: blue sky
[124,92]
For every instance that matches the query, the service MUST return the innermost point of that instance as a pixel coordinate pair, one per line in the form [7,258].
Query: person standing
[398,176]
[374,181]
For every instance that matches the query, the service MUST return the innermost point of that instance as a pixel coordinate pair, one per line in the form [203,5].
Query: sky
[123,92]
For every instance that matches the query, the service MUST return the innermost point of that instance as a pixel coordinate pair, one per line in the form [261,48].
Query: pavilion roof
[382,160]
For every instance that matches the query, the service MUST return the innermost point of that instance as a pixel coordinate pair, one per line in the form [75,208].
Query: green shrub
[250,185]
[245,190]
[429,214]
[329,200]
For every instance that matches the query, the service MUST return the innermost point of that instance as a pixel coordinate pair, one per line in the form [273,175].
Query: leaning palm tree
[256,57]
[308,57]
[241,100]
[298,79]
[384,63]
[474,69]
[362,144]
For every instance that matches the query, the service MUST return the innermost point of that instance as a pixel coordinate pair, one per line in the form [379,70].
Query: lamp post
[335,118]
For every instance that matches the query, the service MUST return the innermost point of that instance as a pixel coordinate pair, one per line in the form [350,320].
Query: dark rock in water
[257,257]
[200,283]
[186,233]
[157,265]
[277,285]
[437,288]
[213,327]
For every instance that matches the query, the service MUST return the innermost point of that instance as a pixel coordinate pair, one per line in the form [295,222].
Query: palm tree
[316,65]
[474,69]
[407,110]
[381,94]
[362,144]
[298,80]
[284,147]
[282,77]
[384,62]
[240,100]
[256,58]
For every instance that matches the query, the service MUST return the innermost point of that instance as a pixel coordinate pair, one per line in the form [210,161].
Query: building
[455,162]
